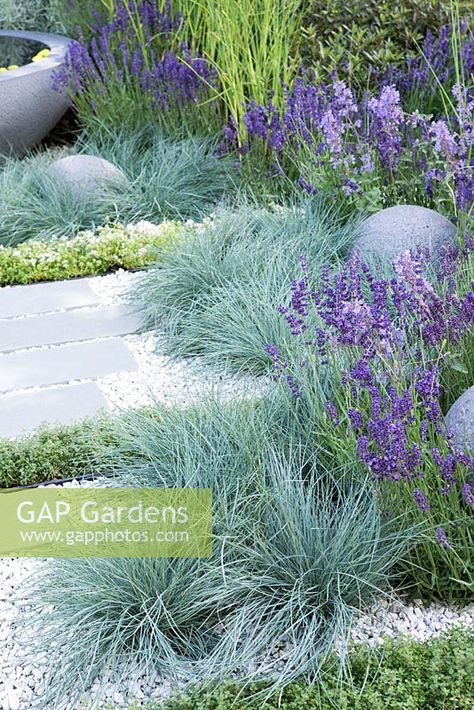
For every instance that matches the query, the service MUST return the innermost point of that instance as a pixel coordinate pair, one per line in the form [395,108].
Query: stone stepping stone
[43,298]
[58,365]
[66,327]
[22,413]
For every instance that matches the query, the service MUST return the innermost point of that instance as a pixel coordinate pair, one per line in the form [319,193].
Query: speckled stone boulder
[392,231]
[85,174]
[460,420]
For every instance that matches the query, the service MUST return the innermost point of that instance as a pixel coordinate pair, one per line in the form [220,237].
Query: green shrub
[365,35]
[88,254]
[36,15]
[54,452]
[75,18]
[401,675]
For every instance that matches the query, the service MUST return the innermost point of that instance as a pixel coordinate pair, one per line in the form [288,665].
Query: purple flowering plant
[369,152]
[366,374]
[134,69]
[407,139]
[426,78]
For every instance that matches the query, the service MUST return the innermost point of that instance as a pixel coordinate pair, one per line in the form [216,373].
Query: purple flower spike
[468,494]
[442,538]
[332,411]
[421,501]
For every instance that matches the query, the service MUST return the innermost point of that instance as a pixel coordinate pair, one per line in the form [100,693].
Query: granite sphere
[86,174]
[392,231]
[460,421]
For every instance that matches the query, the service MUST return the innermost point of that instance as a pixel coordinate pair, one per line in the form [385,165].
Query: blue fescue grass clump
[166,180]
[216,294]
[296,553]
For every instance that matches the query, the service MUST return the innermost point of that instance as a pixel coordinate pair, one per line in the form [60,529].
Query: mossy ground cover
[401,675]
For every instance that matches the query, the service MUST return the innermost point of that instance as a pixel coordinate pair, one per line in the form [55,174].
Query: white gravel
[160,377]
[21,681]
[163,379]
[112,288]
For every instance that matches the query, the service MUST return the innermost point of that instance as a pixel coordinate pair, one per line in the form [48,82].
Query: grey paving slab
[22,413]
[66,327]
[57,365]
[41,298]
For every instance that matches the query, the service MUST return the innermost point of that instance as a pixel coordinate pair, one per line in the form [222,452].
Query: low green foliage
[359,37]
[401,675]
[88,254]
[54,452]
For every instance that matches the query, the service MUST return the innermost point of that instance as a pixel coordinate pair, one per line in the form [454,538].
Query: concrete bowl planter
[29,107]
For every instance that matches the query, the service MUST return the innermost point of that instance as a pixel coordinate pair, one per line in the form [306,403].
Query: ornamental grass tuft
[216,296]
[166,180]
[295,554]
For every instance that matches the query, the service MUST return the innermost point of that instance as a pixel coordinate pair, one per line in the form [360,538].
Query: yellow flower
[12,66]
[41,55]
[2,69]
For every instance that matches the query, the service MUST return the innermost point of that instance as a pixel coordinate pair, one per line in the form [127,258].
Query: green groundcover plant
[54,453]
[88,254]
[401,675]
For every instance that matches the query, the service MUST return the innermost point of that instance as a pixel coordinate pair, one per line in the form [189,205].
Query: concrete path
[56,339]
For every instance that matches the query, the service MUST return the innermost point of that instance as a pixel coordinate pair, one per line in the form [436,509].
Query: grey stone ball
[460,421]
[390,232]
[85,174]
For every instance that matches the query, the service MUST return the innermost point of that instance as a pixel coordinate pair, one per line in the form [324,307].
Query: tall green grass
[250,43]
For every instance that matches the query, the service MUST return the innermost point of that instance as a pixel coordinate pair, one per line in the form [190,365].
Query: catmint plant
[369,150]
